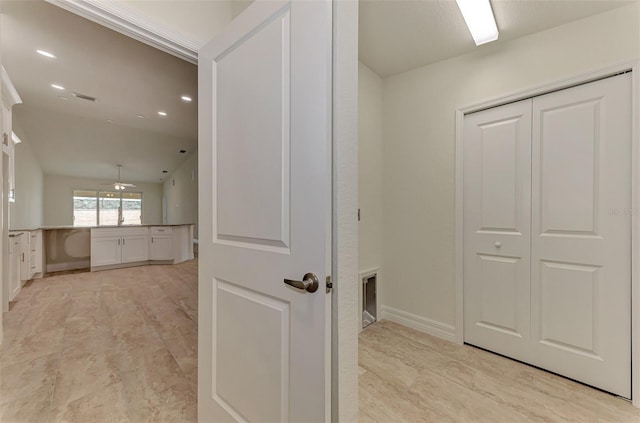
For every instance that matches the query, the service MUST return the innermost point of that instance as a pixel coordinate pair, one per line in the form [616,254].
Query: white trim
[634,66]
[548,87]
[125,20]
[422,324]
[635,236]
[10,95]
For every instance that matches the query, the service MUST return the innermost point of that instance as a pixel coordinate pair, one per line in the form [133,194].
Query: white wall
[419,138]
[27,211]
[181,192]
[369,169]
[58,199]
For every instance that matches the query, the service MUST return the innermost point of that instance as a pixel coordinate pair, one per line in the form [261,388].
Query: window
[132,208]
[85,208]
[106,208]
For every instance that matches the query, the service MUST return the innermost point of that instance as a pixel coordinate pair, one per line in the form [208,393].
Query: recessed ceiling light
[61,97]
[46,54]
[57,87]
[141,116]
[186,98]
[161,113]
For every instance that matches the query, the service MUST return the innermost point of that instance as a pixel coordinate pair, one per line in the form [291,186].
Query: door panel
[135,248]
[265,215]
[498,282]
[497,186]
[105,251]
[569,158]
[255,385]
[581,225]
[253,154]
[568,294]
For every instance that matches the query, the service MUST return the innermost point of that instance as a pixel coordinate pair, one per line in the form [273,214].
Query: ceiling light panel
[186,99]
[163,114]
[46,54]
[479,18]
[57,87]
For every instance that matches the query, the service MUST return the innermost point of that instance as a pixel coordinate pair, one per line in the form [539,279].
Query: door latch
[329,284]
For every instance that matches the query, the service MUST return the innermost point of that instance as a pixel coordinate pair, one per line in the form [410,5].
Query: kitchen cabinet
[161,243]
[25,263]
[15,254]
[35,254]
[116,246]
[135,248]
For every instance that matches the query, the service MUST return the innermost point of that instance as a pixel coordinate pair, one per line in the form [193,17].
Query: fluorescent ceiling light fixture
[15,138]
[480,21]
[141,116]
[46,54]
[162,113]
[186,98]
[57,87]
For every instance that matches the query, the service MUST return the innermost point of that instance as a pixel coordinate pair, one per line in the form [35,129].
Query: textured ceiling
[79,138]
[399,35]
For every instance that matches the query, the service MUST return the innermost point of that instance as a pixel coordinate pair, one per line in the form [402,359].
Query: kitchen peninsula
[111,247]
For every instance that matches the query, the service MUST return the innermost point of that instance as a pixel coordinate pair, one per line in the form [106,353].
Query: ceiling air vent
[85,97]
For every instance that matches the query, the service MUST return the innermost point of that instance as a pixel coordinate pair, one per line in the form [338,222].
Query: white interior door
[265,215]
[497,204]
[581,226]
[547,232]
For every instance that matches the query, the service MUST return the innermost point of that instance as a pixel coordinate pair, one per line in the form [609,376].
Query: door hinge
[329,284]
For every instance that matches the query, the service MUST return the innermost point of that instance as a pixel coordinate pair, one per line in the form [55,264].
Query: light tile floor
[121,346]
[112,346]
[408,376]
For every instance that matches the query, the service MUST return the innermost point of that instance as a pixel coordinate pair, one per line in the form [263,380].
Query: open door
[265,216]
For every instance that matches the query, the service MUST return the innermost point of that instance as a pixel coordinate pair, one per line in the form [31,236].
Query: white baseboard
[422,324]
[59,267]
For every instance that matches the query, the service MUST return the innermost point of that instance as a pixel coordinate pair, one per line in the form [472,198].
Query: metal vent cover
[85,97]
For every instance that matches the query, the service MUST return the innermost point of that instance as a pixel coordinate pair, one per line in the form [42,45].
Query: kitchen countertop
[51,228]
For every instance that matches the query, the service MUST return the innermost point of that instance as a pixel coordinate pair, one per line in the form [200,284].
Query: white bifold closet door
[547,232]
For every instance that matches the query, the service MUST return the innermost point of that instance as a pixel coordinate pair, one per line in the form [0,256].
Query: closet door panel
[497,195]
[581,233]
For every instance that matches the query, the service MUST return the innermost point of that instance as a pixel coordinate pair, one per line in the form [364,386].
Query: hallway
[117,345]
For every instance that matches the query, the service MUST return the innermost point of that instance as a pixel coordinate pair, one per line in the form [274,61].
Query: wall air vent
[85,97]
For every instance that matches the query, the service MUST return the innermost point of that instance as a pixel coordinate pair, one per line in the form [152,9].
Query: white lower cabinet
[135,248]
[125,246]
[106,250]
[161,243]
[113,246]
[15,253]
[35,254]
[25,257]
